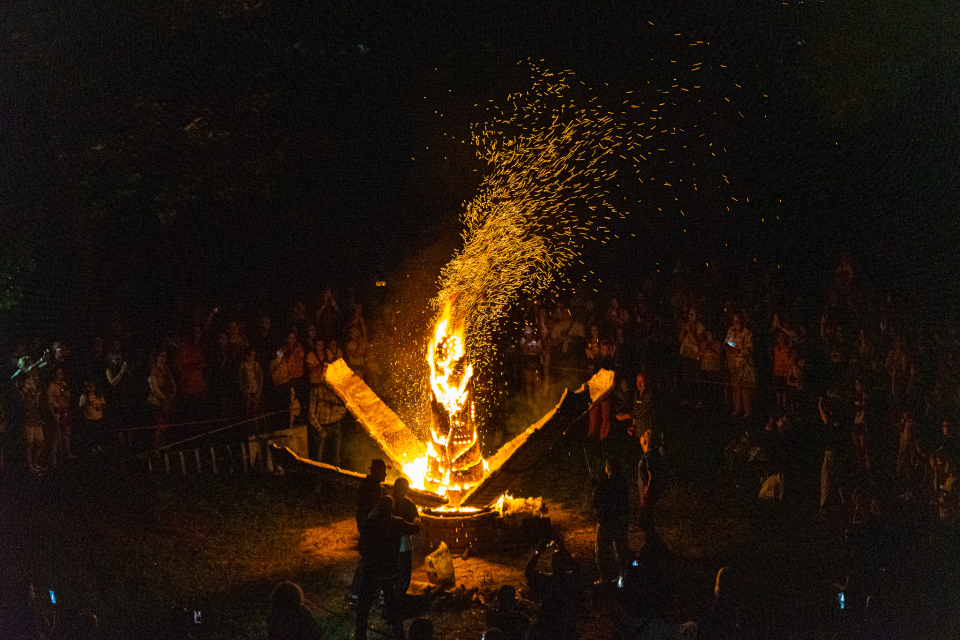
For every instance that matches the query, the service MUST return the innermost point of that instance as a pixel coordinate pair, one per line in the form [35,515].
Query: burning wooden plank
[290,461]
[398,442]
[523,452]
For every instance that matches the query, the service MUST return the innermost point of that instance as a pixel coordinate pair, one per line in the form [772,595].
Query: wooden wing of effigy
[396,440]
[522,453]
[290,461]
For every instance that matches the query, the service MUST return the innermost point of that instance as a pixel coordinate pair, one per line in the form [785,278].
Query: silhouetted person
[559,593]
[406,509]
[721,621]
[371,488]
[611,502]
[21,619]
[505,617]
[289,618]
[643,595]
[379,556]
[651,482]
[368,495]
[421,629]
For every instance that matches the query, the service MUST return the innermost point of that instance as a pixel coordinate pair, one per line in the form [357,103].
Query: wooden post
[183,464]
[166,458]
[243,455]
[150,463]
[196,454]
[213,460]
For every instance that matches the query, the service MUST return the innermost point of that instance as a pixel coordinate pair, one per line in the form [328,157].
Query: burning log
[290,461]
[396,440]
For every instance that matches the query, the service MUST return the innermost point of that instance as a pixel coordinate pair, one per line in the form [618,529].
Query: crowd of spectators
[836,367]
[872,387]
[119,390]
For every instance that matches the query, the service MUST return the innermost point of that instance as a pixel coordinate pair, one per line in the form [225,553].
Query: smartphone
[730,342]
[53,597]
[196,617]
[840,599]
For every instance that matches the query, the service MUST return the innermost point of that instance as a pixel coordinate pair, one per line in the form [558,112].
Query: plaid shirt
[325,406]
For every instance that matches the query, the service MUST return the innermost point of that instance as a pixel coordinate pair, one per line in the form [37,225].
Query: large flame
[451,465]
[449,374]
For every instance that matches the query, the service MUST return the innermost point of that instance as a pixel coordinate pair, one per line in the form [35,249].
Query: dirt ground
[333,548]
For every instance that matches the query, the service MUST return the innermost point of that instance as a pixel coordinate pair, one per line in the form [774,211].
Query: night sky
[163,150]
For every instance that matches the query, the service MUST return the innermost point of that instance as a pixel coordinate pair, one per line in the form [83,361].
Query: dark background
[160,151]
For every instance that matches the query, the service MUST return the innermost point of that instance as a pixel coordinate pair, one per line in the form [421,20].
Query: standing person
[643,415]
[599,416]
[785,356]
[327,411]
[357,352]
[368,495]
[28,390]
[379,551]
[287,372]
[651,483]
[92,405]
[404,507]
[266,343]
[691,338]
[860,447]
[907,451]
[190,365]
[163,390]
[118,386]
[289,617]
[58,401]
[328,315]
[370,491]
[611,502]
[832,442]
[711,366]
[743,374]
[251,384]
[532,359]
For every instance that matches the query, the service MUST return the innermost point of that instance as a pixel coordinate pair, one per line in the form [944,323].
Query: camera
[196,617]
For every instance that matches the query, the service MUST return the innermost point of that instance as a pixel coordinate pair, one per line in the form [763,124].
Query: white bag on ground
[440,567]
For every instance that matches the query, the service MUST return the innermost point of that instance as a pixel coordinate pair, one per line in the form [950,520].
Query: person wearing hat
[368,495]
[379,561]
[371,488]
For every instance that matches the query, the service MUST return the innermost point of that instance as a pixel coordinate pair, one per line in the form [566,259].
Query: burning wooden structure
[500,472]
[457,488]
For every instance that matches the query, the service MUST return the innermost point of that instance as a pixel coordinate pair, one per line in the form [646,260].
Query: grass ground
[129,548]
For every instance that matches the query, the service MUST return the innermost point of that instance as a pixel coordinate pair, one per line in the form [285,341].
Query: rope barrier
[203,435]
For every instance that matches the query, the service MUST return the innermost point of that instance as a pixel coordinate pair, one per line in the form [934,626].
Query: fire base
[459,529]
